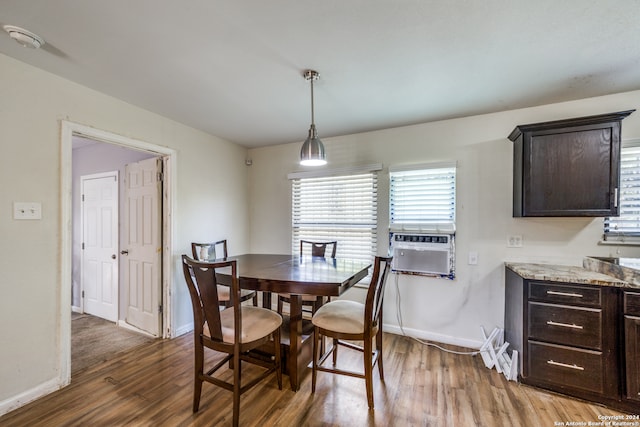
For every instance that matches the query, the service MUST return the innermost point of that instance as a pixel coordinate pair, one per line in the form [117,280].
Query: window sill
[635,242]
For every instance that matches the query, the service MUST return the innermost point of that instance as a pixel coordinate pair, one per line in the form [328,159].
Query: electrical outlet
[514,241]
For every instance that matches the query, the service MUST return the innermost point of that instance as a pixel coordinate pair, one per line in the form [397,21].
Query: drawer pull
[564,325]
[564,365]
[565,294]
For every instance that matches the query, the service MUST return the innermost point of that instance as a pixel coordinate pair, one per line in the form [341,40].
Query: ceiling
[234,68]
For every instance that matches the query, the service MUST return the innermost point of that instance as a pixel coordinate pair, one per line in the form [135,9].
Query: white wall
[211,202]
[440,309]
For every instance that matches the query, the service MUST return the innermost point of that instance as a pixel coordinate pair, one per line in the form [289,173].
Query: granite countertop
[626,269]
[565,273]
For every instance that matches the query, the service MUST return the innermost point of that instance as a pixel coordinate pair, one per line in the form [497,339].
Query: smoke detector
[24,37]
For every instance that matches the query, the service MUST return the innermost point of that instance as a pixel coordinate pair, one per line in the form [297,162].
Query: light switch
[27,210]
[473,258]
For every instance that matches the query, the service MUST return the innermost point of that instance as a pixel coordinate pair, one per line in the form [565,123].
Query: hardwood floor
[95,340]
[152,386]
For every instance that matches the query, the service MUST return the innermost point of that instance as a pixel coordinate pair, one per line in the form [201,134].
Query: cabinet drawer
[564,324]
[632,303]
[565,294]
[566,366]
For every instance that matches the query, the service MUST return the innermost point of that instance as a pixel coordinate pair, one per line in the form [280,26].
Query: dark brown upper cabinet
[567,167]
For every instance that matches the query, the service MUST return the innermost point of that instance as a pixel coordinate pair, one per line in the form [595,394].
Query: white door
[99,263]
[142,244]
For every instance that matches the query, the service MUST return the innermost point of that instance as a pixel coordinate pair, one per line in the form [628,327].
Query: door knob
[113,256]
[124,252]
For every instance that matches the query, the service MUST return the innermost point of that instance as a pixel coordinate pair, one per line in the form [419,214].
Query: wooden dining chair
[318,248]
[315,249]
[218,250]
[234,331]
[345,321]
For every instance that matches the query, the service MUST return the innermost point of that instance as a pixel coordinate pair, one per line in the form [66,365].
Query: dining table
[297,275]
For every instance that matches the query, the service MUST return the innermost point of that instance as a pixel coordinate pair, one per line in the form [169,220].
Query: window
[628,223]
[423,198]
[342,208]
[422,214]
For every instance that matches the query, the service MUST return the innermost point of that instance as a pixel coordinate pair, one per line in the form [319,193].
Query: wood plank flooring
[152,386]
[95,340]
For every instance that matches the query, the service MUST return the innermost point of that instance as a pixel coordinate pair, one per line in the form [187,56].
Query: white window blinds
[342,208]
[628,223]
[423,198]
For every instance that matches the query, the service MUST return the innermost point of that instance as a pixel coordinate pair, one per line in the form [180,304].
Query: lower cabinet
[569,338]
[632,345]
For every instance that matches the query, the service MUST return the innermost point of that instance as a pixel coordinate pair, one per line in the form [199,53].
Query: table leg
[295,339]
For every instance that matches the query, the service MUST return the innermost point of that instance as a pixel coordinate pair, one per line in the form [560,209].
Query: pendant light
[312,152]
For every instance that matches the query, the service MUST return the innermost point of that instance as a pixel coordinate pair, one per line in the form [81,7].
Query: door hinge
[82,245]
[83,197]
[160,176]
[82,294]
[160,309]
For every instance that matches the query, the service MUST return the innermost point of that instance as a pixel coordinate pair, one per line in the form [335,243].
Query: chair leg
[316,305]
[368,370]
[379,349]
[197,379]
[279,305]
[335,351]
[278,357]
[255,299]
[236,387]
[314,369]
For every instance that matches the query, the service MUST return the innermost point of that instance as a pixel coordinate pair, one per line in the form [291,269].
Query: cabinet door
[632,356]
[567,167]
[572,172]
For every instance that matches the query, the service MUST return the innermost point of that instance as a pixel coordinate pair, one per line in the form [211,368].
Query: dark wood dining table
[298,275]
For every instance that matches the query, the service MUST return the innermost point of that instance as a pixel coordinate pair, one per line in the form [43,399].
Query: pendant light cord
[312,115]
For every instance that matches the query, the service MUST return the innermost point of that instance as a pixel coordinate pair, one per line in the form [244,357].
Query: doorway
[120,242]
[71,131]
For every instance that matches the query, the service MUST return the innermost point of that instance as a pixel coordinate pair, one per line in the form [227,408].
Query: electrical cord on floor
[399,318]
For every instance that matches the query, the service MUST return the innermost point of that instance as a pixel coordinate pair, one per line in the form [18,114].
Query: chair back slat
[319,249]
[202,284]
[209,251]
[375,294]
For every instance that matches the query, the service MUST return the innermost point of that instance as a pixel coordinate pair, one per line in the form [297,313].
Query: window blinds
[423,198]
[628,223]
[342,208]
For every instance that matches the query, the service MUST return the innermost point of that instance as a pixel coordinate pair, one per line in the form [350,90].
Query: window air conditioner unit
[428,254]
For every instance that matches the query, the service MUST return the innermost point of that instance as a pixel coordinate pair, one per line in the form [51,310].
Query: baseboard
[29,396]
[393,329]
[430,336]
[123,324]
[76,309]
[184,329]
